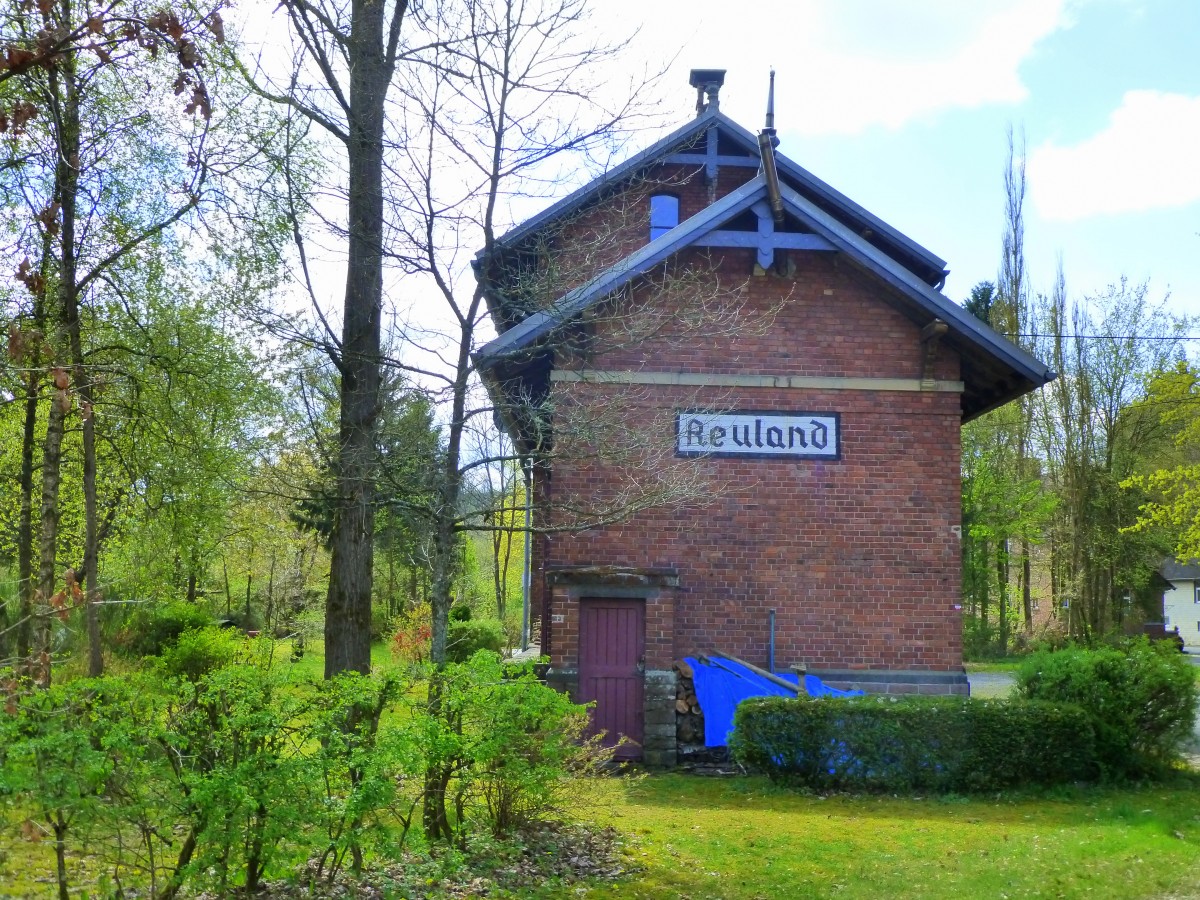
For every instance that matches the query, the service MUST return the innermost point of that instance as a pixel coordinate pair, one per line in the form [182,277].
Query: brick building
[769,378]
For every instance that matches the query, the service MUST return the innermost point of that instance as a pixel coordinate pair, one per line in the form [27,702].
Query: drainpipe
[526,580]
[771,646]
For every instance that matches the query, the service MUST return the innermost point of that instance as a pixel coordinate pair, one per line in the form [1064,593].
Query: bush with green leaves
[508,747]
[884,743]
[370,770]
[74,756]
[224,773]
[1140,696]
[234,740]
[156,626]
[199,651]
[466,638]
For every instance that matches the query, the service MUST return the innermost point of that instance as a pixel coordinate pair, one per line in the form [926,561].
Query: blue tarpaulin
[721,684]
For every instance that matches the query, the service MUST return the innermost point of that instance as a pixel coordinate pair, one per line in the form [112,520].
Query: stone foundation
[565,680]
[913,681]
[658,744]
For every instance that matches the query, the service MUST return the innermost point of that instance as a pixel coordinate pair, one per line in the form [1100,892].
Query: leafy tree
[68,65]
[103,167]
[406,448]
[1094,434]
[1171,486]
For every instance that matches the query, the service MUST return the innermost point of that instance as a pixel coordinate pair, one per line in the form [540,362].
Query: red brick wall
[858,556]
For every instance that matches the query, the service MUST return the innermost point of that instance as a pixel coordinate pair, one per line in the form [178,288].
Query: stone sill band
[794,382]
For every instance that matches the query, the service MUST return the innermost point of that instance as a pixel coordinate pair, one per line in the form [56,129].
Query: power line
[1116,337]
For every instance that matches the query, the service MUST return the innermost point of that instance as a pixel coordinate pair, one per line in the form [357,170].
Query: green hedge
[1140,696]
[465,639]
[914,743]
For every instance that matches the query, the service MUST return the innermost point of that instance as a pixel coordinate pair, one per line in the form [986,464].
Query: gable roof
[841,207]
[994,369]
[1173,569]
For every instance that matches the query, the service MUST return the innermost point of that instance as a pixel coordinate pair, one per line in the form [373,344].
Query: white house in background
[1181,600]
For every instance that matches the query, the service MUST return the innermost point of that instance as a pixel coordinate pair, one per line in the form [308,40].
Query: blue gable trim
[792,170]
[897,276]
[706,223]
[684,234]
[614,176]
[708,125]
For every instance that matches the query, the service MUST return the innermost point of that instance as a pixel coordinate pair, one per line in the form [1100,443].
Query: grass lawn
[743,838]
[693,838]
[312,663]
[995,665]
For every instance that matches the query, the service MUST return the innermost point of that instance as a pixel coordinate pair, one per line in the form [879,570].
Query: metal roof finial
[769,129]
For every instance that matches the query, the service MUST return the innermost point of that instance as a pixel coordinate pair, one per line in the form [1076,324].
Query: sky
[904,106]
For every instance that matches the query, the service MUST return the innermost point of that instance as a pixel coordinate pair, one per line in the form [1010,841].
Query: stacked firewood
[689,718]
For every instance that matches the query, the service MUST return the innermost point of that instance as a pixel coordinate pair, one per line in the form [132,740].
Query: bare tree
[347,57]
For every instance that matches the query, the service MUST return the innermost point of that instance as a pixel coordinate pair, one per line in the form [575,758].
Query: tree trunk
[60,855]
[1002,597]
[270,610]
[25,522]
[51,479]
[249,582]
[83,387]
[985,585]
[66,183]
[1026,590]
[348,603]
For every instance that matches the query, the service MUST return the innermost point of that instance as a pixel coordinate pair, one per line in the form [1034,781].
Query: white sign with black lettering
[793,435]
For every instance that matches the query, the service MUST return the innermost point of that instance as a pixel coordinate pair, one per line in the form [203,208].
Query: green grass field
[743,838]
[1005,665]
[693,838]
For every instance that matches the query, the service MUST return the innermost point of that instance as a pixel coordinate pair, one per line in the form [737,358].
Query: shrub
[507,748]
[369,769]
[235,741]
[155,627]
[413,635]
[73,755]
[460,613]
[913,743]
[197,652]
[465,639]
[1141,699]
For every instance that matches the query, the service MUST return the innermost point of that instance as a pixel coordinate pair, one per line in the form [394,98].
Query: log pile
[689,718]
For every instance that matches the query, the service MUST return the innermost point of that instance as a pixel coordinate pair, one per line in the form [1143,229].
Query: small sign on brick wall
[791,435]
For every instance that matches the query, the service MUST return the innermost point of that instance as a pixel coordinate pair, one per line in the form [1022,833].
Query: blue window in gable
[664,214]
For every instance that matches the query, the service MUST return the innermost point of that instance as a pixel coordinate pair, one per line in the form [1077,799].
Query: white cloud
[1146,158]
[848,65]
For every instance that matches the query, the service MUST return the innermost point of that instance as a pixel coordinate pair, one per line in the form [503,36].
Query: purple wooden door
[612,642]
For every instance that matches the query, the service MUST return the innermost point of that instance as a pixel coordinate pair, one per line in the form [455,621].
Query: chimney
[707,82]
